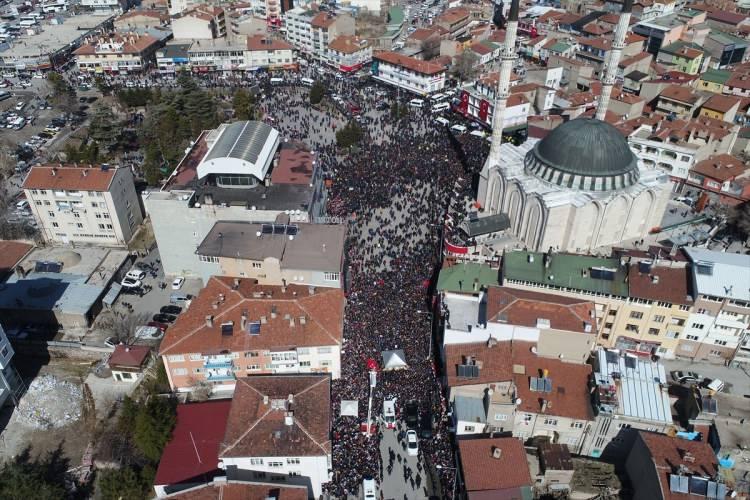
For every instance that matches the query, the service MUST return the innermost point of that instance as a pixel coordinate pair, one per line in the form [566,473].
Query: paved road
[401,483]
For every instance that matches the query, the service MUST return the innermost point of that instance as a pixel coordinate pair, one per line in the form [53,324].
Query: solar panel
[698,486]
[678,484]
[474,371]
[603,273]
[279,228]
[706,268]
[709,405]
[254,328]
[547,384]
[47,267]
[266,229]
[227,329]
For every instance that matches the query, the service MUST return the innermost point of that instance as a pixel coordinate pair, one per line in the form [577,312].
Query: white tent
[349,408]
[394,360]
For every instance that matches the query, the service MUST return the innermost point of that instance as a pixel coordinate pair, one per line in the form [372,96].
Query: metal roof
[720,274]
[469,409]
[485,225]
[641,385]
[460,277]
[242,140]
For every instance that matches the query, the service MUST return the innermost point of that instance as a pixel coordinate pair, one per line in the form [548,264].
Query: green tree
[153,426]
[119,484]
[59,85]
[317,91]
[23,478]
[104,128]
[350,135]
[244,105]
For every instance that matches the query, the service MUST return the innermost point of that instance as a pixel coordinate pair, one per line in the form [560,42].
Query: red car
[161,326]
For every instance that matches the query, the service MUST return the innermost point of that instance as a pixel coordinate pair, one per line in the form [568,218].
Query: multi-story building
[713,80]
[173,57]
[268,53]
[477,102]
[228,174]
[456,20]
[10,382]
[141,19]
[720,318]
[723,177]
[236,328]
[105,7]
[679,101]
[84,204]
[117,53]
[349,53]
[595,51]
[408,73]
[682,56]
[311,33]
[721,107]
[279,429]
[202,22]
[218,54]
[277,254]
[725,49]
[641,307]
[629,393]
[661,31]
[493,468]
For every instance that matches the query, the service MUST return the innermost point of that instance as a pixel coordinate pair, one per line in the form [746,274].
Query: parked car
[177,283]
[715,384]
[131,283]
[135,274]
[412,443]
[164,318]
[425,425]
[412,415]
[171,310]
[161,326]
[685,377]
[148,333]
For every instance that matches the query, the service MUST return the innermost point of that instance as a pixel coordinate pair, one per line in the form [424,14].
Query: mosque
[579,188]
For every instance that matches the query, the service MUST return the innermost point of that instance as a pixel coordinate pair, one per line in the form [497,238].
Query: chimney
[311,290]
[263,320]
[302,320]
[265,399]
[236,283]
[243,320]
[221,297]
[291,323]
[53,171]
[209,321]
[544,405]
[496,452]
[84,172]
[289,418]
[273,312]
[655,279]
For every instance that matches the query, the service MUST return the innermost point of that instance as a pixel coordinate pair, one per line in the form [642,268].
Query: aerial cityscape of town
[374,249]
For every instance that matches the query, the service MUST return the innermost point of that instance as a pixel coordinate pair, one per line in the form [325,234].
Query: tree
[104,128]
[464,66]
[23,478]
[317,91]
[350,135]
[244,105]
[124,326]
[153,426]
[119,484]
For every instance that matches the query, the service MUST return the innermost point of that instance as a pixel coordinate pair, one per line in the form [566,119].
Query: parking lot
[736,380]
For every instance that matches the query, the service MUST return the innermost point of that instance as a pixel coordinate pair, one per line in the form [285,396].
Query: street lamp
[455,476]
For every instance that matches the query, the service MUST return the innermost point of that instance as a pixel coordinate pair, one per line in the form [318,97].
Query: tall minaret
[503,83]
[613,61]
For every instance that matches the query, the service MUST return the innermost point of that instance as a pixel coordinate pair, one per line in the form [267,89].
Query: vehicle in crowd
[416,103]
[440,107]
[389,413]
[425,425]
[459,129]
[135,274]
[412,443]
[412,415]
[442,121]
[369,488]
[307,82]
[131,283]
[171,309]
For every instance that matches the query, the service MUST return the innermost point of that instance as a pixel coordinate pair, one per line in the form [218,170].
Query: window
[659,318]
[653,331]
[256,461]
[257,265]
[251,354]
[101,226]
[94,204]
[55,224]
[76,215]
[276,464]
[292,461]
[303,350]
[608,325]
[4,351]
[105,215]
[550,421]
[623,426]
[253,367]
[304,363]
[324,350]
[79,225]
[663,304]
[196,357]
[179,371]
[699,326]
[636,314]
[468,428]
[720,342]
[691,337]
[197,370]
[177,358]
[109,227]
[47,203]
[51,213]
[331,276]
[672,335]
[678,322]
[208,258]
[714,352]
[527,418]
[684,308]
[577,425]
[501,417]
[631,328]
[98,215]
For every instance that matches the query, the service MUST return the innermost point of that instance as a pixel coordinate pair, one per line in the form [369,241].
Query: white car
[412,444]
[177,283]
[135,274]
[130,283]
[369,489]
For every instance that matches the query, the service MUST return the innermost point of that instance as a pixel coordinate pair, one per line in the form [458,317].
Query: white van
[442,121]
[478,133]
[440,107]
[438,97]
[416,103]
[389,413]
[22,205]
[460,129]
[308,82]
[369,489]
[277,81]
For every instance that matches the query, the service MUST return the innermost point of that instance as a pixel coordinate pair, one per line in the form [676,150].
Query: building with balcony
[408,73]
[269,53]
[236,328]
[217,54]
[721,107]
[595,51]
[477,102]
[456,20]
[117,53]
[724,178]
[173,57]
[312,32]
[682,56]
[348,53]
[713,80]
[679,101]
[84,204]
[231,173]
[202,22]
[105,7]
[720,318]
[629,393]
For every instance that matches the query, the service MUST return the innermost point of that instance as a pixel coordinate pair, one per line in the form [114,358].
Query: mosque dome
[586,154]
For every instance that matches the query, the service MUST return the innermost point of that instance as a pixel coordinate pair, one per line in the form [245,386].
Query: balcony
[225,364]
[220,376]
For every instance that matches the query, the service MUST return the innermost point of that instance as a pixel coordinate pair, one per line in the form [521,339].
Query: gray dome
[584,154]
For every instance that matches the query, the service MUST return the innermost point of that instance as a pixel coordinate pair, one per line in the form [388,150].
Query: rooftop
[129,356]
[52,36]
[11,253]
[317,247]
[721,167]
[348,44]
[578,272]
[279,320]
[296,165]
[117,43]
[631,386]
[244,147]
[261,42]
[679,93]
[667,284]
[259,426]
[192,453]
[483,471]
[461,277]
[70,177]
[721,103]
[416,65]
[720,274]
[240,490]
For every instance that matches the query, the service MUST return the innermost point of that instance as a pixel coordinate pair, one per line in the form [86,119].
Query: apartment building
[679,101]
[348,53]
[202,22]
[640,306]
[723,177]
[312,32]
[117,53]
[719,321]
[140,18]
[713,80]
[595,51]
[105,7]
[268,53]
[455,20]
[408,73]
[477,102]
[217,54]
[279,430]
[686,57]
[11,384]
[629,393]
[236,328]
[84,204]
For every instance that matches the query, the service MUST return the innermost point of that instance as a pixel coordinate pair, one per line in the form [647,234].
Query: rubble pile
[50,403]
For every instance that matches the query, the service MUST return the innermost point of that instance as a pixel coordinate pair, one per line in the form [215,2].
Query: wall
[315,469]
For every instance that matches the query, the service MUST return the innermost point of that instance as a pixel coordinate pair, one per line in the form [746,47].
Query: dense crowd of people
[395,188]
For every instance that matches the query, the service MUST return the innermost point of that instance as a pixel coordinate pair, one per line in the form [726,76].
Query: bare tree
[465,66]
[430,47]
[123,326]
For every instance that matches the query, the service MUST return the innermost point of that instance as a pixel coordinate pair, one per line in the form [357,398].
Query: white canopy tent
[394,360]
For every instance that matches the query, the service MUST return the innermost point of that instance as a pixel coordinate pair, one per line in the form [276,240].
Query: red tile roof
[295,165]
[153,13]
[524,308]
[132,43]
[323,311]
[722,16]
[69,177]
[494,359]
[667,284]
[482,472]
[423,67]
[323,20]
[721,167]
[11,253]
[131,356]
[237,490]
[624,63]
[256,429]
[348,44]
[721,103]
[453,15]
[668,454]
[192,454]
[422,34]
[261,42]
[680,93]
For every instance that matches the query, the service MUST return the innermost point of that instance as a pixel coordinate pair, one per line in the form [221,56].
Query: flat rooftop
[53,36]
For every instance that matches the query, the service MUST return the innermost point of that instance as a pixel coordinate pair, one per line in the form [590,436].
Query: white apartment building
[116,53]
[311,32]
[408,73]
[203,22]
[349,53]
[10,382]
[103,7]
[270,53]
[219,54]
[84,204]
[675,159]
[278,430]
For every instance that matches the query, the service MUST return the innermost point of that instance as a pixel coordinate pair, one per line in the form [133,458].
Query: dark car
[412,415]
[164,318]
[425,425]
[161,326]
[171,310]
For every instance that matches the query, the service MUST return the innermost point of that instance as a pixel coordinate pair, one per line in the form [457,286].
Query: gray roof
[242,140]
[175,50]
[61,292]
[316,247]
[720,274]
[587,147]
[464,311]
[469,409]
[485,225]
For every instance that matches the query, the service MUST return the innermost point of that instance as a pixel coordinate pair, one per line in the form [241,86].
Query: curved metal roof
[241,140]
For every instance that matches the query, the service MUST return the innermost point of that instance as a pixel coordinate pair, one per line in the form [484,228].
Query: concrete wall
[312,471]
